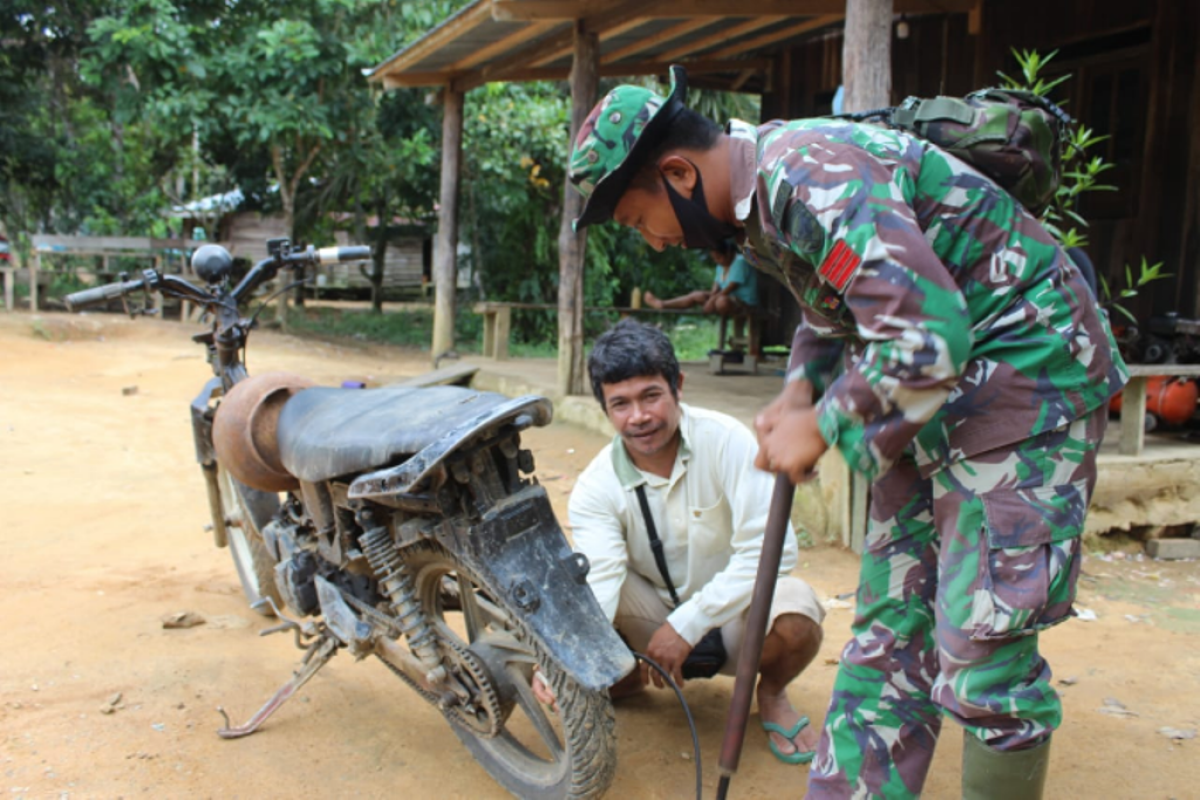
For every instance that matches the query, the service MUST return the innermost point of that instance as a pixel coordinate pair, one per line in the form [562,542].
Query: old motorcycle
[402,523]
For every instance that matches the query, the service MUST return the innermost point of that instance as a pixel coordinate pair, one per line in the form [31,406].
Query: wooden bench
[1133,401]
[746,351]
[497,321]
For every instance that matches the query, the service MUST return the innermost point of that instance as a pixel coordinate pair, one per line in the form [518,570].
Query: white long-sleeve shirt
[710,514]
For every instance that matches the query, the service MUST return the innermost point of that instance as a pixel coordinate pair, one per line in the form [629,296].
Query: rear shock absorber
[397,585]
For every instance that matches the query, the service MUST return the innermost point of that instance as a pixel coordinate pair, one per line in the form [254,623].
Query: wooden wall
[1135,77]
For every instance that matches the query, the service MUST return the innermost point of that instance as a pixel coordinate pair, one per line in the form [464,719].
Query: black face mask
[701,230]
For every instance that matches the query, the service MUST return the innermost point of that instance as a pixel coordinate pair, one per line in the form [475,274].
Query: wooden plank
[465,21]
[774,36]
[499,46]
[445,253]
[1174,370]
[573,9]
[662,37]
[561,10]
[697,46]
[645,68]
[594,24]
[456,375]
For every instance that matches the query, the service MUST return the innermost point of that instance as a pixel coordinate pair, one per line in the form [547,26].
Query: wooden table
[1133,401]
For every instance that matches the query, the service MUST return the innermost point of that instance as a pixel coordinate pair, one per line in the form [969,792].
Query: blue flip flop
[798,757]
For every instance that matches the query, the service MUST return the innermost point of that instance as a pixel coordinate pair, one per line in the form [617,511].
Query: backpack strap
[913,111]
[655,543]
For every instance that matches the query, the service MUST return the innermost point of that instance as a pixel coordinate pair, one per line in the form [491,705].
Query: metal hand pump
[756,630]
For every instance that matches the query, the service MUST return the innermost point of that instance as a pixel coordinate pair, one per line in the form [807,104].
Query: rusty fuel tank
[244,430]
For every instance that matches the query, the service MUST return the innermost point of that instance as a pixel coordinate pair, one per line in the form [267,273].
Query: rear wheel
[246,510]
[533,751]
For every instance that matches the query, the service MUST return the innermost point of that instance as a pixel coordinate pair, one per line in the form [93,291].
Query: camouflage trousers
[960,572]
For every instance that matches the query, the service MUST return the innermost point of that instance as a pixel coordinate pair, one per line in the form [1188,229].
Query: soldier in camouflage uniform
[952,354]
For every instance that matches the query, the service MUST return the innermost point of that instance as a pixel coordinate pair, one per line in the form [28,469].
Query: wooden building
[1135,68]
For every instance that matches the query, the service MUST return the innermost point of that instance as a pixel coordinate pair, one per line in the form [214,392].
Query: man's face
[649,212]
[644,412]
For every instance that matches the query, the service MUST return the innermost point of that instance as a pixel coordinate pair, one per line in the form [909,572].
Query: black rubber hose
[690,720]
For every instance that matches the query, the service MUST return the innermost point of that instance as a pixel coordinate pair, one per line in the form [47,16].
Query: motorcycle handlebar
[331,255]
[101,294]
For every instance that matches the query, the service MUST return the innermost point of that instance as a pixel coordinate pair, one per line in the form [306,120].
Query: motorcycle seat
[327,433]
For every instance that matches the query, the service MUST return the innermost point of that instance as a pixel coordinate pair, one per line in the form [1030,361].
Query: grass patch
[412,328]
[692,337]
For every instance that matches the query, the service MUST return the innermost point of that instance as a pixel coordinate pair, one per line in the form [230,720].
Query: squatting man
[685,476]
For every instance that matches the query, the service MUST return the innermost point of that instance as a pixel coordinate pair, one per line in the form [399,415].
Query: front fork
[206,456]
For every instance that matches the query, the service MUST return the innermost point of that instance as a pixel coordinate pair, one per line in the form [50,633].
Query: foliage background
[111,111]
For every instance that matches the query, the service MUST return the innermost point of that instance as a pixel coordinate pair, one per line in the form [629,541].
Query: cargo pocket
[1029,561]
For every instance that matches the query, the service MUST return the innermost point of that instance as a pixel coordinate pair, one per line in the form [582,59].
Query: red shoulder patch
[840,265]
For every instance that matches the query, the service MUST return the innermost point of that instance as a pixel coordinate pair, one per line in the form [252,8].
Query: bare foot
[778,709]
[652,301]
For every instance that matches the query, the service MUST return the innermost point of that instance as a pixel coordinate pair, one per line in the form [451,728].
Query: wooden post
[157,297]
[1133,416]
[572,246]
[445,271]
[867,54]
[33,280]
[501,332]
[867,78]
[8,288]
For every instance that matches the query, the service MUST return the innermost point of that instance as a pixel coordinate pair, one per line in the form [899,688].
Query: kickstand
[318,655]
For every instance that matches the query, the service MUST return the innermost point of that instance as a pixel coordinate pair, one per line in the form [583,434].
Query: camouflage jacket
[939,316]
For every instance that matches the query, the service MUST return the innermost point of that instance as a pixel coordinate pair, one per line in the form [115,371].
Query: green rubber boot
[989,774]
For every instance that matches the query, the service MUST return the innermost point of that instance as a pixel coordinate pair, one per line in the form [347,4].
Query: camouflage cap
[616,137]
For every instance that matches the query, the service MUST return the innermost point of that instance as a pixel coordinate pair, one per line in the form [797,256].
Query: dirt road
[101,534]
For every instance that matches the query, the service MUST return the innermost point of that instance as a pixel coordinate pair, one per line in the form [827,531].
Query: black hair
[631,349]
[726,249]
[689,130]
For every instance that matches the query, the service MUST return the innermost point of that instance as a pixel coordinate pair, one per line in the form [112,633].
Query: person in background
[734,292]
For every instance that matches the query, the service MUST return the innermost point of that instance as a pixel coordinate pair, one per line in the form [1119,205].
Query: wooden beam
[691,48]
[741,79]
[531,31]
[572,245]
[470,18]
[643,68]
[402,80]
[663,36]
[561,10]
[574,9]
[445,253]
[615,15]
[975,19]
[813,24]
[616,30]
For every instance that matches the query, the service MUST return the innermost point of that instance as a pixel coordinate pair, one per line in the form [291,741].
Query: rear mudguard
[520,413]
[519,549]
